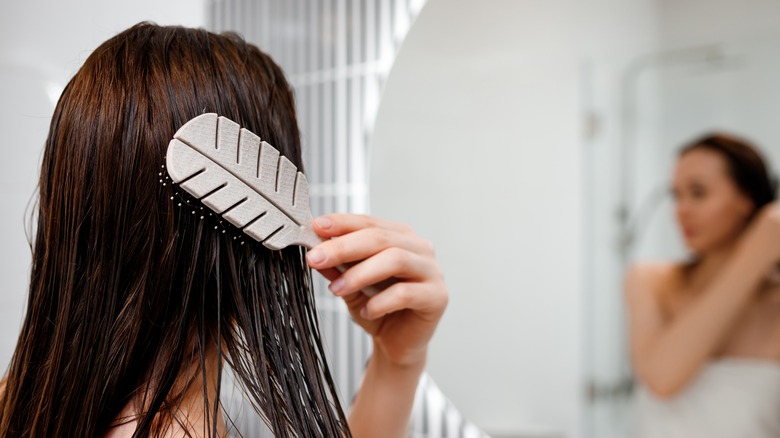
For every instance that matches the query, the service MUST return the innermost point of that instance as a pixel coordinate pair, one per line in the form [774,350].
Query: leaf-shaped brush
[245,180]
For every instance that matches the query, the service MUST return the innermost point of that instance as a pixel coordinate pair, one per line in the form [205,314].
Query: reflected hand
[763,234]
[402,318]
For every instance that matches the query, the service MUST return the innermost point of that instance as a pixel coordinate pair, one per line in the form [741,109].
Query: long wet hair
[129,291]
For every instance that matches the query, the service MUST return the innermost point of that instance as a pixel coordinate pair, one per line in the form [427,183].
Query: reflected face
[711,210]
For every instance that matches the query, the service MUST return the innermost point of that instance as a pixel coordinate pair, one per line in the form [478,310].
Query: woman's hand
[401,318]
[763,234]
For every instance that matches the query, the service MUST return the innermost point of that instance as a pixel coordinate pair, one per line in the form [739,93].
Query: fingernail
[364,312]
[337,285]
[316,256]
[324,222]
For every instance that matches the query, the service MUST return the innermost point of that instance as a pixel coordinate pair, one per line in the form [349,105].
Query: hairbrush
[245,180]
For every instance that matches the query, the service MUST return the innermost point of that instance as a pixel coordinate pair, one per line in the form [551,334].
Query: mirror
[534,145]
[476,147]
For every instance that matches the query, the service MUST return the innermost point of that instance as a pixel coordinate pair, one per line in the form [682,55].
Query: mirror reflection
[695,161]
[578,150]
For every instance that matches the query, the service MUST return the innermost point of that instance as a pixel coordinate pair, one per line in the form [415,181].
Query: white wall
[42,44]
[688,22]
[478,145]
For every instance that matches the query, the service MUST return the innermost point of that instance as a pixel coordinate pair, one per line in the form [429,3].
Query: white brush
[245,180]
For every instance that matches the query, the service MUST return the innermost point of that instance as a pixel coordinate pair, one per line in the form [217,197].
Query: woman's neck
[190,414]
[193,407]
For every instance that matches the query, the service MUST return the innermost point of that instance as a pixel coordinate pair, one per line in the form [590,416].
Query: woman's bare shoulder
[654,277]
[656,269]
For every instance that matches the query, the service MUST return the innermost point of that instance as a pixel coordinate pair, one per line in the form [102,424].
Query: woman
[705,334]
[136,304]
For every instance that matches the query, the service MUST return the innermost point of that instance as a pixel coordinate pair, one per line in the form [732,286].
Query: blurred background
[531,140]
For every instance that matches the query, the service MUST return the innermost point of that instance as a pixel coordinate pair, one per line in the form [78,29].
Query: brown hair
[745,164]
[127,287]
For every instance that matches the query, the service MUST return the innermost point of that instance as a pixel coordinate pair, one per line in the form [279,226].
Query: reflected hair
[129,292]
[746,166]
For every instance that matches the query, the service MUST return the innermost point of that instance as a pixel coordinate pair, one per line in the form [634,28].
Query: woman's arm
[401,319]
[383,405]
[668,354]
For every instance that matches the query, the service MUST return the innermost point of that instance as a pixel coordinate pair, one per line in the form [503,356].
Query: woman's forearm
[383,405]
[691,339]
[401,319]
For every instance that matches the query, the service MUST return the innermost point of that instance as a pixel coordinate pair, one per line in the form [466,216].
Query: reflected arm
[667,354]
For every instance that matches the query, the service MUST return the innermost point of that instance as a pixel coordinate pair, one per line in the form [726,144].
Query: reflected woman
[705,334]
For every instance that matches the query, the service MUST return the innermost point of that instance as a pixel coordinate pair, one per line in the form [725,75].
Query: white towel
[730,398]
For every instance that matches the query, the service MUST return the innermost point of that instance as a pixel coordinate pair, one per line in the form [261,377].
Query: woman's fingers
[361,244]
[330,273]
[421,297]
[379,252]
[392,262]
[339,224]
